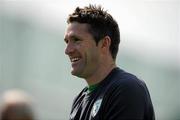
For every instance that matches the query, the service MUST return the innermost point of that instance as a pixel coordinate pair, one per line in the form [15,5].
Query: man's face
[82,50]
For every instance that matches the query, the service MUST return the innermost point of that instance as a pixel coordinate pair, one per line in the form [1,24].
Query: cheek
[94,56]
[91,53]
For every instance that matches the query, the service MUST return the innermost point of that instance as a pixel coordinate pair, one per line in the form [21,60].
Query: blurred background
[32,51]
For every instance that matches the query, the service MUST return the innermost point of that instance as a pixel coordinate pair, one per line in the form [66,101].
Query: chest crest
[96,107]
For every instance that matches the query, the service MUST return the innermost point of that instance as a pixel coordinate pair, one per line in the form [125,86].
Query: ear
[106,42]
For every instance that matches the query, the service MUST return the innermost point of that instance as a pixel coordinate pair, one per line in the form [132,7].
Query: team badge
[96,107]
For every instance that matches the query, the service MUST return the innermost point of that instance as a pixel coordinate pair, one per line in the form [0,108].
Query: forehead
[77,29]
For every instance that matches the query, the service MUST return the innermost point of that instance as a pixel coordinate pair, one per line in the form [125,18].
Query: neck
[102,71]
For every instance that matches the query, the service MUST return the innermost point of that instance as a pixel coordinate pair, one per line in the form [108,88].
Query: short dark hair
[101,24]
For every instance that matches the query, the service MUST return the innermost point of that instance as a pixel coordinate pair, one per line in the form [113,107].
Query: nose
[69,48]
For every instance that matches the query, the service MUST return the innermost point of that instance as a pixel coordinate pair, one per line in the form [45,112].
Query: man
[92,38]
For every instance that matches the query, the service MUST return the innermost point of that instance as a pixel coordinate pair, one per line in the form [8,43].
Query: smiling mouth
[75,59]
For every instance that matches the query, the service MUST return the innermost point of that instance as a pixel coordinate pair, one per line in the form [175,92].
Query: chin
[77,73]
[74,72]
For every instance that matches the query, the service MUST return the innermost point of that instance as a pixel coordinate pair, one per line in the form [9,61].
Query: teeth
[74,59]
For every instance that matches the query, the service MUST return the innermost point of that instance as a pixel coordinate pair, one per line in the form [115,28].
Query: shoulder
[126,84]
[121,77]
[125,96]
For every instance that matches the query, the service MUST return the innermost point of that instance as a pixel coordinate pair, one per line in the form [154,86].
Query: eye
[76,40]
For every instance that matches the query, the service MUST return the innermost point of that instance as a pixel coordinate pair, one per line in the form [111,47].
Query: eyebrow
[72,37]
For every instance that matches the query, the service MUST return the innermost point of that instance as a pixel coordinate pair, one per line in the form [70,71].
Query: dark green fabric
[92,87]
